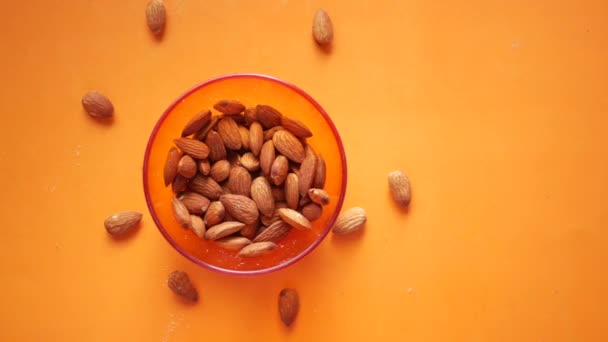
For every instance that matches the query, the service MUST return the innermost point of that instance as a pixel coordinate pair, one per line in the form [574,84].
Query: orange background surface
[495,109]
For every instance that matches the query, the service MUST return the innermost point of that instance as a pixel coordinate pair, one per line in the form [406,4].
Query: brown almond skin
[268,220]
[256,138]
[275,232]
[223,229]
[181,213]
[239,181]
[244,137]
[304,201]
[250,230]
[240,207]
[312,211]
[289,146]
[97,104]
[319,196]
[399,185]
[206,186]
[268,116]
[171,163]
[217,149]
[220,170]
[250,115]
[198,225]
[320,171]
[204,167]
[257,249]
[233,242]
[156,17]
[207,128]
[192,147]
[261,193]
[279,169]
[122,223]
[187,167]
[180,183]
[294,218]
[229,131]
[322,28]
[296,127]
[250,162]
[215,213]
[308,170]
[289,306]
[268,134]
[180,284]
[196,123]
[278,193]
[292,194]
[229,107]
[350,221]
[267,156]
[196,203]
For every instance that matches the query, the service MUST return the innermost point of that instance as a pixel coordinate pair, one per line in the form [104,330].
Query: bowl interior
[251,90]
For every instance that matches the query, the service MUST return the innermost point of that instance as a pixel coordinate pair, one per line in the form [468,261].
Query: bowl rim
[282,265]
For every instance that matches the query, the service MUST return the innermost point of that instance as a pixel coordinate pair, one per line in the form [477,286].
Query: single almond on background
[197,123]
[97,104]
[257,249]
[294,218]
[171,162]
[239,181]
[229,107]
[319,179]
[289,306]
[217,150]
[256,138]
[261,193]
[220,170]
[349,221]
[308,169]
[279,169]
[156,16]
[192,147]
[250,230]
[180,284]
[180,183]
[198,225]
[240,207]
[229,131]
[278,193]
[296,127]
[274,232]
[292,194]
[289,145]
[267,156]
[250,162]
[196,203]
[122,223]
[206,186]
[322,28]
[312,211]
[269,133]
[181,213]
[250,115]
[215,213]
[399,185]
[223,229]
[187,167]
[244,137]
[319,196]
[234,243]
[268,116]
[202,134]
[204,167]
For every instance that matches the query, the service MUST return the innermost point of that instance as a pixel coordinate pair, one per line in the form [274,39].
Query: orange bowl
[250,89]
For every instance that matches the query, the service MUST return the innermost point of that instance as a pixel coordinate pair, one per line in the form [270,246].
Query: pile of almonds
[244,177]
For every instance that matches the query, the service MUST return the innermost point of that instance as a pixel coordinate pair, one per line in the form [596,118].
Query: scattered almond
[256,138]
[261,193]
[229,131]
[268,116]
[269,133]
[197,123]
[233,242]
[156,16]
[296,127]
[198,225]
[240,207]
[181,213]
[279,169]
[267,156]
[257,249]
[187,167]
[244,137]
[207,128]
[223,229]
[220,170]
[289,306]
[312,211]
[217,150]
[322,28]
[204,167]
[206,186]
[196,203]
[399,185]
[289,145]
[171,163]
[215,213]
[319,182]
[180,284]
[192,147]
[250,162]
[294,218]
[97,104]
[122,223]
[319,196]
[350,221]
[239,181]
[292,195]
[274,232]
[229,107]
[250,230]
[308,170]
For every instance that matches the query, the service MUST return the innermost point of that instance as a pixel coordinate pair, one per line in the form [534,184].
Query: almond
[279,169]
[196,203]
[220,170]
[256,138]
[229,131]
[312,211]
[239,181]
[206,186]
[234,158]
[268,134]
[399,185]
[180,183]
[294,218]
[349,221]
[194,148]
[292,195]
[240,207]
[229,107]
[156,16]
[267,156]
[262,195]
[289,305]
[319,196]
[250,115]
[182,216]
[322,28]
[122,223]
[217,150]
[304,201]
[187,167]
[198,225]
[180,284]
[233,242]
[257,249]
[215,213]
[268,220]
[319,173]
[207,128]
[250,230]
[250,162]
[170,171]
[268,116]
[197,123]
[308,170]
[97,104]
[296,127]
[244,137]
[278,194]
[275,232]
[289,145]
[223,229]
[204,167]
